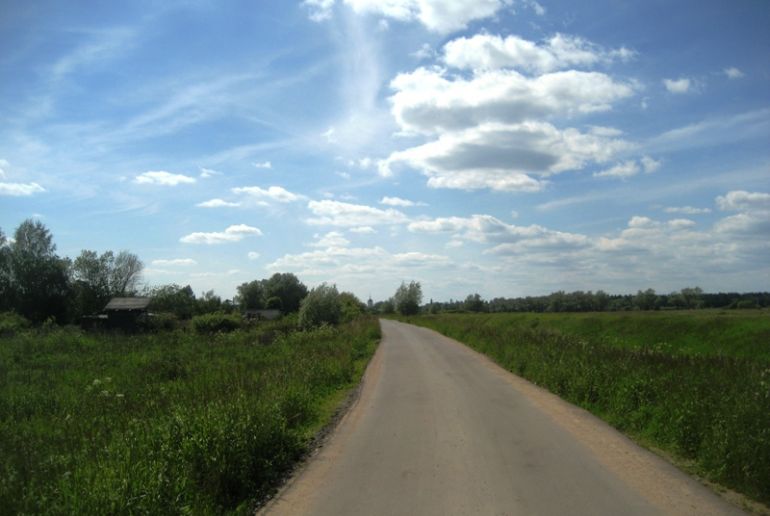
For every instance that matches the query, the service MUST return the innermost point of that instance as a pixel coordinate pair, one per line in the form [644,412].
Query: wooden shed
[125,312]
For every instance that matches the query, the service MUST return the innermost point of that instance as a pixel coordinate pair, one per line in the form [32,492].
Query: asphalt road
[439,429]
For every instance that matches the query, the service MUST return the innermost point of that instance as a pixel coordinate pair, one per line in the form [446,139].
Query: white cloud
[733,73]
[177,262]
[442,16]
[335,213]
[162,178]
[272,193]
[429,102]
[621,170]
[649,164]
[218,203]
[425,52]
[363,230]
[687,210]
[490,52]
[20,189]
[253,255]
[207,173]
[504,157]
[3,164]
[743,200]
[263,164]
[319,10]
[677,85]
[397,201]
[234,233]
[330,239]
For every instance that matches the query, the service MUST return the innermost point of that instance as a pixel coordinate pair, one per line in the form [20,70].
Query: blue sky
[506,147]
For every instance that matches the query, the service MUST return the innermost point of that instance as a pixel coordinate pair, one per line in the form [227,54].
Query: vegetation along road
[440,429]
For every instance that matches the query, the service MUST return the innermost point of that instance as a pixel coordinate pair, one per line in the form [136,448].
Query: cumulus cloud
[682,85]
[397,201]
[330,239]
[177,262]
[234,233]
[649,164]
[163,178]
[218,203]
[429,101]
[743,200]
[263,164]
[490,52]
[442,16]
[336,213]
[272,193]
[363,230]
[253,255]
[20,189]
[504,157]
[733,73]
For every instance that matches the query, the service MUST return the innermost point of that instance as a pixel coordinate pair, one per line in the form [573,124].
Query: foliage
[474,303]
[408,298]
[251,295]
[350,306]
[321,306]
[173,299]
[169,423]
[159,321]
[216,322]
[696,384]
[11,322]
[96,279]
[286,287]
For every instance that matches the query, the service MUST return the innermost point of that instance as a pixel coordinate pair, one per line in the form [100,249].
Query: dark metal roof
[128,303]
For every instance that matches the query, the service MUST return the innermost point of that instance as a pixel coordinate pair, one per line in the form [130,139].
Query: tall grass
[167,423]
[696,386]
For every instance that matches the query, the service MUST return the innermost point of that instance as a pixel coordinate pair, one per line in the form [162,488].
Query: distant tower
[370,303]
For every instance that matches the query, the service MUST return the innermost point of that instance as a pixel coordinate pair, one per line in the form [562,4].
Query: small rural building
[261,315]
[125,312]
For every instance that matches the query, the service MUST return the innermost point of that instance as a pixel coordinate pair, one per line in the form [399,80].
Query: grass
[166,423]
[693,384]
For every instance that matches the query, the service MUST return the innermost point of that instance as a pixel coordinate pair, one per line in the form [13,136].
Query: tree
[251,295]
[286,287]
[352,307]
[645,300]
[321,306]
[39,279]
[474,303]
[408,298]
[125,273]
[173,299]
[90,282]
[6,300]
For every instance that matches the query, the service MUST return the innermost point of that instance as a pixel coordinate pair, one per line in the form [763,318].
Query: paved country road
[439,429]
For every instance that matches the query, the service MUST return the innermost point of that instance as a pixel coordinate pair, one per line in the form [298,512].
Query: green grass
[694,384]
[167,423]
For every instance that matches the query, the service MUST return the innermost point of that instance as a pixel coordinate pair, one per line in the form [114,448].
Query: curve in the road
[440,430]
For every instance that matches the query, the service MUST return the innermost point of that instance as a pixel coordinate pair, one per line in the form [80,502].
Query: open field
[167,423]
[694,384]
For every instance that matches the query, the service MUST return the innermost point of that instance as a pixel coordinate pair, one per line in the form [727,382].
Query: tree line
[587,301]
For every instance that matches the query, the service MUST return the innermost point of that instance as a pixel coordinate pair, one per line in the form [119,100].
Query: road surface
[438,429]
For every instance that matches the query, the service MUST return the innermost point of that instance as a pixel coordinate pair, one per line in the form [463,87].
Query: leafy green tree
[645,300]
[173,299]
[408,298]
[39,279]
[125,273]
[286,287]
[321,306]
[251,295]
[474,303]
[6,294]
[208,303]
[352,307]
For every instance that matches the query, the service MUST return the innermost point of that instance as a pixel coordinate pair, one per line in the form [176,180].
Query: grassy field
[167,423]
[694,384]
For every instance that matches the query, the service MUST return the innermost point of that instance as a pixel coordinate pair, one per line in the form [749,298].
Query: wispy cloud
[163,178]
[20,189]
[681,85]
[218,203]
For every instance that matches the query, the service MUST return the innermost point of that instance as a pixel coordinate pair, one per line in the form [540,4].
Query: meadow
[695,385]
[166,423]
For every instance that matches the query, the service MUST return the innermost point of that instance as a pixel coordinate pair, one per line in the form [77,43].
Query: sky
[504,147]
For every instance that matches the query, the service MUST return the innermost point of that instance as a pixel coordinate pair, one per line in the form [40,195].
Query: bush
[217,322]
[321,306]
[160,322]
[11,323]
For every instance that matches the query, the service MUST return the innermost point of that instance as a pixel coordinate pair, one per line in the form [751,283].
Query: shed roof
[128,303]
